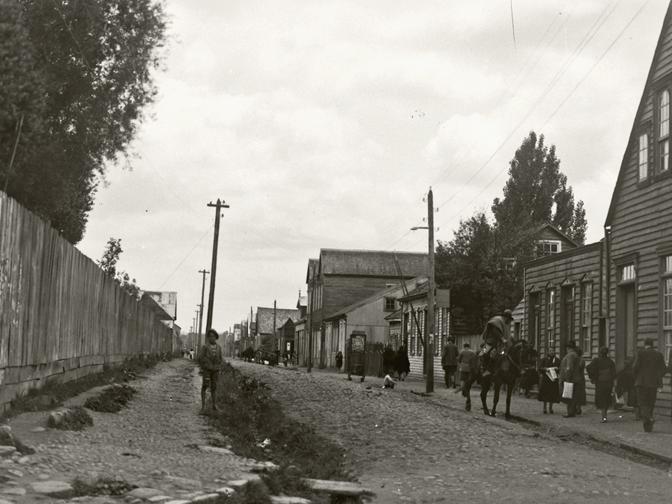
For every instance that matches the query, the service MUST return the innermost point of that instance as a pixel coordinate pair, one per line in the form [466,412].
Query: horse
[505,368]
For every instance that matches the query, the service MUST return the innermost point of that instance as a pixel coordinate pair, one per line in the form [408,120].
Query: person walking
[403,364]
[449,363]
[339,360]
[468,364]
[580,386]
[649,369]
[549,391]
[602,373]
[210,361]
[570,378]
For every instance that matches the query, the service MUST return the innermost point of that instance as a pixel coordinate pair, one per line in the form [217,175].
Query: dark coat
[468,361]
[449,356]
[649,368]
[403,364]
[549,390]
[602,372]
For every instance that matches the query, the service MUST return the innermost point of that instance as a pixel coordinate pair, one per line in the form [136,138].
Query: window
[627,273]
[643,156]
[421,319]
[550,318]
[586,316]
[548,247]
[390,304]
[412,332]
[664,131]
[667,307]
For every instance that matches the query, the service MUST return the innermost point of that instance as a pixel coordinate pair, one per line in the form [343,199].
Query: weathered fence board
[59,311]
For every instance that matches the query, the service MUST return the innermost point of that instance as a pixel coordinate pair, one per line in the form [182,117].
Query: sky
[323,124]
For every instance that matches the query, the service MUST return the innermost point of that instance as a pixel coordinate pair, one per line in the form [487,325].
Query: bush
[111,400]
[74,419]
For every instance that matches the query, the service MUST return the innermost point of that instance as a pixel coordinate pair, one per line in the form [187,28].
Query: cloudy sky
[323,124]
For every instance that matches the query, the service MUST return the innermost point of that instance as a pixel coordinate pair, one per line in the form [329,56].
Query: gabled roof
[372,263]
[556,231]
[640,109]
[265,318]
[371,299]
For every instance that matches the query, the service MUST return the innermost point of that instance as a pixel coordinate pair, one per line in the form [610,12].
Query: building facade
[619,292]
[339,278]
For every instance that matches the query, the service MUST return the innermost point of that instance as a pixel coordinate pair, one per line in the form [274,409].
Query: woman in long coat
[580,386]
[403,364]
[549,389]
[602,372]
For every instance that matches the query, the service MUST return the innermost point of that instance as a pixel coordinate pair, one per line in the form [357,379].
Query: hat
[212,331]
[648,342]
[508,314]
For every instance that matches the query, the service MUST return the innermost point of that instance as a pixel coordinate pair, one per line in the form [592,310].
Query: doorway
[534,321]
[626,323]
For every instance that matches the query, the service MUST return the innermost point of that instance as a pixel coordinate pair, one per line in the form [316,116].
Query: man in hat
[210,361]
[649,370]
[496,339]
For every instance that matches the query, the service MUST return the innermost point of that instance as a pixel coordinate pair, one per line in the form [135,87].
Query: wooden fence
[61,317]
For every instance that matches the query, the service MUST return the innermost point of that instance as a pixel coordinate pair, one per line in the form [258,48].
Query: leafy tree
[91,62]
[484,263]
[537,193]
[108,263]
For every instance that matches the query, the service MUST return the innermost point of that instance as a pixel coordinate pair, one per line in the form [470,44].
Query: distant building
[266,319]
[339,278]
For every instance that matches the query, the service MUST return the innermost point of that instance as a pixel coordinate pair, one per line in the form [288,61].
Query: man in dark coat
[495,337]
[449,362]
[649,370]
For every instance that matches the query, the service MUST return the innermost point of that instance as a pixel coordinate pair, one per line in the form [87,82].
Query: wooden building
[339,278]
[619,291]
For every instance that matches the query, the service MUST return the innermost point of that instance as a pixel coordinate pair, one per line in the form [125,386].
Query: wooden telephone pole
[200,319]
[429,342]
[211,298]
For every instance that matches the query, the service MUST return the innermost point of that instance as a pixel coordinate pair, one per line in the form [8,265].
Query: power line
[601,57]
[185,258]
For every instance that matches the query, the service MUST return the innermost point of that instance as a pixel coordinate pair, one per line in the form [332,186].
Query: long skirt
[603,394]
[549,391]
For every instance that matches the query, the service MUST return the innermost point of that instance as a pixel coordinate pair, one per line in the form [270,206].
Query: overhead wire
[567,97]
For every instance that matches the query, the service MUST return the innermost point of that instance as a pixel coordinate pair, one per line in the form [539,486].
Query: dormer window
[643,156]
[548,247]
[664,131]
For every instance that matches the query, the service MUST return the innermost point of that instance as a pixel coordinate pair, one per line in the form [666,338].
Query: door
[566,318]
[626,323]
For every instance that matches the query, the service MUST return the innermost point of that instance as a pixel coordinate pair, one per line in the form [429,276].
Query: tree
[483,264]
[108,263]
[92,63]
[537,193]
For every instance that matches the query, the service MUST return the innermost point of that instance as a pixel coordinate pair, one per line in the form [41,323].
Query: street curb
[592,437]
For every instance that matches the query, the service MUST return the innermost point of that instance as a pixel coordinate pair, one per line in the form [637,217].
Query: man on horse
[496,339]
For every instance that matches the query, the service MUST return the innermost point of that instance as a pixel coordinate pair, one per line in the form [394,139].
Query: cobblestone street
[408,449]
[151,444]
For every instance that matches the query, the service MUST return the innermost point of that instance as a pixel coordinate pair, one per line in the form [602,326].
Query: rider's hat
[508,314]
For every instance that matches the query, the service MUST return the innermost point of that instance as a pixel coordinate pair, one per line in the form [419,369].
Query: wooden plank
[346,488]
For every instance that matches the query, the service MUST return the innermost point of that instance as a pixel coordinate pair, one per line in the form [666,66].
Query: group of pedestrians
[565,381]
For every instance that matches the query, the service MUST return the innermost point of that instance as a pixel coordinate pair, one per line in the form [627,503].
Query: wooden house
[619,291]
[339,278]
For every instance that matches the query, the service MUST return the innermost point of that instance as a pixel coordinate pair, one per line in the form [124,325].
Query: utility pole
[275,333]
[211,298]
[195,325]
[200,319]
[429,342]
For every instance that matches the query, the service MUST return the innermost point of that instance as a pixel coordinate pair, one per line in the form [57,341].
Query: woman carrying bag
[570,378]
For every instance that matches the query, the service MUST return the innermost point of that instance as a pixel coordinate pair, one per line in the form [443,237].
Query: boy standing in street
[210,360]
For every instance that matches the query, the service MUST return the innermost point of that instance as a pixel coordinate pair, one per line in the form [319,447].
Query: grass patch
[249,415]
[54,392]
[112,399]
[101,486]
[76,419]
